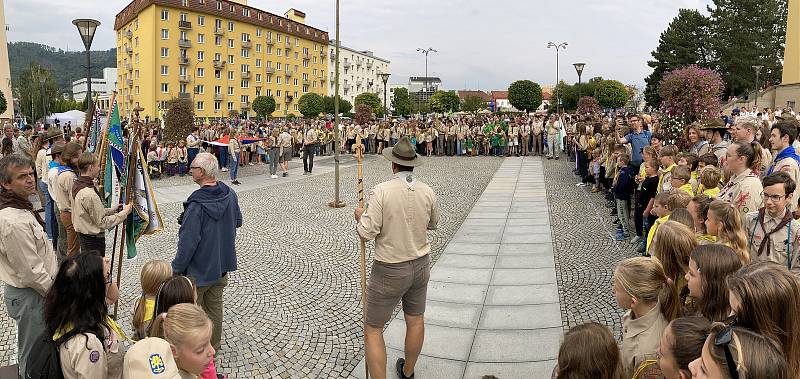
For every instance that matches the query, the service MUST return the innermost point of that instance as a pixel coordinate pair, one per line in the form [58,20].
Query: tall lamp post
[560,46]
[87,27]
[385,78]
[579,68]
[426,52]
[336,203]
[758,72]
[42,81]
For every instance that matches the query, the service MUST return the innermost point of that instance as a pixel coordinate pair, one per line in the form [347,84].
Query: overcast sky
[482,44]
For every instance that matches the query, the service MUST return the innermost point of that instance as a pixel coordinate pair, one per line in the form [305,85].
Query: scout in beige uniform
[62,194]
[772,233]
[782,136]
[90,217]
[400,212]
[743,190]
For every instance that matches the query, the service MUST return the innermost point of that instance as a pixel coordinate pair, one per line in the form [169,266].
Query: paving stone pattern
[292,309]
[585,251]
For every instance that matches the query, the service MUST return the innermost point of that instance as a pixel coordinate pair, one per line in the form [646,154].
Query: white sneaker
[224,169]
[250,164]
[274,176]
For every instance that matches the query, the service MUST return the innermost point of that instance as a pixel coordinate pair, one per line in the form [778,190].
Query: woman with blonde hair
[187,328]
[765,297]
[153,274]
[650,299]
[672,246]
[725,223]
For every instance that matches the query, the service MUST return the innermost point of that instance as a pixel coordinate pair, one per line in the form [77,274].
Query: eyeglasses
[723,338]
[194,167]
[773,198]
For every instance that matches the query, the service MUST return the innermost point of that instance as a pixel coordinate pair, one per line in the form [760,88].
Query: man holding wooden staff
[399,214]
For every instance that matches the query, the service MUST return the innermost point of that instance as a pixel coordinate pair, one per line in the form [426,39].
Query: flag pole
[103,145]
[358,149]
[133,154]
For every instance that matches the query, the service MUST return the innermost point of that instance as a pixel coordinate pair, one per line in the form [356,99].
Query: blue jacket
[623,190]
[207,236]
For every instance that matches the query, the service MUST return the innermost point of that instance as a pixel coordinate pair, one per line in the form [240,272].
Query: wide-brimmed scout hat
[712,123]
[57,148]
[403,153]
[150,358]
[53,133]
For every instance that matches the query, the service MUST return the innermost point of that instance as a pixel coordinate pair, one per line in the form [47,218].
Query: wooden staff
[358,149]
[133,154]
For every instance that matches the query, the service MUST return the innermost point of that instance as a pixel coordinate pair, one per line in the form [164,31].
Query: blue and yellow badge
[157,364]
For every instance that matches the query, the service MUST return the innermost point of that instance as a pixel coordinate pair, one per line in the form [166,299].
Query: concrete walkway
[493,305]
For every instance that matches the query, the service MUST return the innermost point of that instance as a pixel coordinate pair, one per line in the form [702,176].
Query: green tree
[370,99]
[36,98]
[525,95]
[264,106]
[684,42]
[611,94]
[423,108]
[748,33]
[311,104]
[445,101]
[568,95]
[473,104]
[401,102]
[233,113]
[179,120]
[3,103]
[344,105]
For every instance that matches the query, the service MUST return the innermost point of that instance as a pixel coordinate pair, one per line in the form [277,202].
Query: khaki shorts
[389,283]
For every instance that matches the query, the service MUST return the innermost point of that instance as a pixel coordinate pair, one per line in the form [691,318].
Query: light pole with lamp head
[87,27]
[426,52]
[560,46]
[579,68]
[758,72]
[385,78]
[42,81]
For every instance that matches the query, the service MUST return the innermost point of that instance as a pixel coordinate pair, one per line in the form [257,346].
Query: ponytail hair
[176,290]
[644,279]
[183,322]
[752,151]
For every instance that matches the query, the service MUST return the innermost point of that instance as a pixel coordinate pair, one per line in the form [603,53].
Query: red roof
[546,95]
[499,95]
[463,95]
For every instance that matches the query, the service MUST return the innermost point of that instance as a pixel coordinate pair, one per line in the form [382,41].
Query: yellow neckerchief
[688,188]
[705,237]
[109,322]
[652,231]
[149,309]
[711,192]
[661,176]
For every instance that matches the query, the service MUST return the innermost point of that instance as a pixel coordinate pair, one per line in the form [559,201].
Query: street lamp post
[758,71]
[385,78]
[562,45]
[86,28]
[336,203]
[579,68]
[42,81]
[426,52]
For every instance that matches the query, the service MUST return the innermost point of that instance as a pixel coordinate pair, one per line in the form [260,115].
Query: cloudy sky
[482,44]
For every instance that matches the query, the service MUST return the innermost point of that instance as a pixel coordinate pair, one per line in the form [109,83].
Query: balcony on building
[288,46]
[359,82]
[305,81]
[306,56]
[322,53]
[183,78]
[184,43]
[183,61]
[246,75]
[270,70]
[217,97]
[129,50]
[245,105]
[270,41]
[129,98]
[128,34]
[358,63]
[185,25]
[129,82]
[346,65]
[333,55]
[247,44]
[218,64]
[128,66]
[219,31]
[184,95]
[289,73]
[346,86]
[369,64]
[289,98]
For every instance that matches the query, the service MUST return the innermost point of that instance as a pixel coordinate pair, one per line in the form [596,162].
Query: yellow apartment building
[221,54]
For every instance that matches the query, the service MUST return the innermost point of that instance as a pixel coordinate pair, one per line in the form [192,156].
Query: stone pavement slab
[493,304]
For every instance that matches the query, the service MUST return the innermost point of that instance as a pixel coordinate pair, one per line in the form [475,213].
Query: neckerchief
[83,182]
[767,242]
[788,152]
[9,199]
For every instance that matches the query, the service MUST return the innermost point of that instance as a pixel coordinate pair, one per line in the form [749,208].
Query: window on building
[230,26]
[185,3]
[269,49]
[245,53]
[201,72]
[218,23]
[278,93]
[269,92]
[200,89]
[258,91]
[279,52]
[258,48]
[217,74]
[164,52]
[245,83]
[296,82]
[219,5]
[258,78]
[201,20]
[230,91]
[258,62]
[164,15]
[279,65]
[199,105]
[305,88]
[164,33]
[184,17]
[244,98]
[217,106]
[201,55]
[182,71]
[217,90]
[245,12]
[201,38]
[230,106]
[164,87]
[269,78]
[230,43]
[245,68]
[278,81]
[230,75]
[258,31]
[164,70]
[245,37]
[218,40]
[230,59]
[278,105]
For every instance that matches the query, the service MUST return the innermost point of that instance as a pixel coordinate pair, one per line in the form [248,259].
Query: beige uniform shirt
[743,191]
[789,166]
[62,192]
[90,216]
[400,213]
[42,164]
[785,243]
[640,338]
[553,127]
[83,357]
[766,161]
[310,137]
[27,259]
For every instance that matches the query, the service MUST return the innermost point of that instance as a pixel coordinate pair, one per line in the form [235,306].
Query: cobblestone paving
[292,309]
[585,251]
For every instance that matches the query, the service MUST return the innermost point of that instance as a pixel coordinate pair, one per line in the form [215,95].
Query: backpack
[44,361]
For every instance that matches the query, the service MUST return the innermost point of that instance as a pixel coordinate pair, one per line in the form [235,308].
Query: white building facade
[359,72]
[101,87]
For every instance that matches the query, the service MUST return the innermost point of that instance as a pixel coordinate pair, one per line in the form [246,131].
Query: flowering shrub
[691,93]
[588,105]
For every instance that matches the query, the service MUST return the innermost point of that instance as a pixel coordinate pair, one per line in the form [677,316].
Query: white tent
[76,117]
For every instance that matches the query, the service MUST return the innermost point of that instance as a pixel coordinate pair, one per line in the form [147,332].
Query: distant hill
[66,66]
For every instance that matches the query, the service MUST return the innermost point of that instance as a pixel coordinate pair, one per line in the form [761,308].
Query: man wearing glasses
[638,138]
[773,233]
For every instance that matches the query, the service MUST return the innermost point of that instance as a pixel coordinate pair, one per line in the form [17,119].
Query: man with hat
[400,212]
[43,159]
[715,131]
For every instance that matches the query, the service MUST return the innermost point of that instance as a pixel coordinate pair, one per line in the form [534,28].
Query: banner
[145,217]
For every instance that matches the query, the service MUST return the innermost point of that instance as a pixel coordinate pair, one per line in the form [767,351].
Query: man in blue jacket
[207,238]
[622,190]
